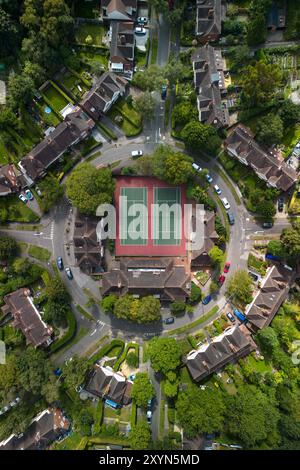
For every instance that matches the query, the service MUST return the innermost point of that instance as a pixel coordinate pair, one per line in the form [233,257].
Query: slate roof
[273,292]
[87,248]
[75,127]
[208,17]
[210,237]
[105,383]
[27,318]
[10,179]
[122,44]
[43,430]
[233,343]
[126,8]
[241,144]
[209,83]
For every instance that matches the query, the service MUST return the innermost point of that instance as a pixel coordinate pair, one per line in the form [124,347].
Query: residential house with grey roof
[10,179]
[122,48]
[104,383]
[120,10]
[88,250]
[208,22]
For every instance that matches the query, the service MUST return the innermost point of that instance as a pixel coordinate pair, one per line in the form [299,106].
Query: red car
[221,279]
[226,267]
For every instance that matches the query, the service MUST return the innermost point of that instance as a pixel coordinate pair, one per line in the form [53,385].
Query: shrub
[68,336]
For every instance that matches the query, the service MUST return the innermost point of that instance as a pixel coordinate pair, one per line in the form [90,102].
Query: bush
[68,336]
[196,293]
[171,415]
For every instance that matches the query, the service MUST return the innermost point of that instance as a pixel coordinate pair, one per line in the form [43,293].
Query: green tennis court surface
[167,225]
[129,230]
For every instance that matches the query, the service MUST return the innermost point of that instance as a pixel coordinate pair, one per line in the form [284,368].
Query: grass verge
[39,253]
[195,323]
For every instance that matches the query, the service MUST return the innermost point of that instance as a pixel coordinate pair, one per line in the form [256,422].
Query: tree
[216,255]
[196,293]
[170,166]
[142,390]
[268,340]
[256,33]
[20,90]
[21,265]
[52,192]
[240,287]
[260,83]
[213,288]
[149,309]
[84,421]
[8,119]
[89,187]
[269,130]
[145,104]
[200,411]
[8,34]
[144,310]
[34,71]
[58,303]
[8,248]
[175,71]
[8,375]
[178,307]
[266,209]
[33,370]
[197,135]
[74,372]
[152,78]
[164,354]
[290,239]
[182,114]
[108,303]
[50,390]
[252,417]
[276,248]
[139,436]
[289,113]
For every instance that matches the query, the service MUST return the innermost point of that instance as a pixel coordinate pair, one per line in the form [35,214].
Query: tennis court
[166,216]
[132,232]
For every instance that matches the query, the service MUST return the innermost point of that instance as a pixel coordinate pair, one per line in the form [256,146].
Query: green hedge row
[105,350]
[122,357]
[68,336]
[98,417]
[106,131]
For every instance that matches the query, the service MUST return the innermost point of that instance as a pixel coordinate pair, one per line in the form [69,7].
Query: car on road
[267,225]
[57,372]
[209,178]
[227,267]
[206,299]
[230,317]
[217,189]
[225,203]
[149,403]
[195,166]
[29,195]
[23,198]
[142,20]
[221,279]
[280,204]
[60,263]
[136,153]
[164,89]
[169,320]
[230,218]
[69,273]
[149,416]
[139,30]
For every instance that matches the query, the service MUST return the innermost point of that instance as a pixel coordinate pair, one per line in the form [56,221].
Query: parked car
[230,218]
[280,204]
[225,203]
[230,317]
[164,90]
[38,191]
[206,299]
[60,263]
[142,20]
[149,416]
[23,198]
[253,275]
[195,166]
[29,195]
[149,403]
[227,267]
[57,372]
[136,153]
[221,279]
[239,315]
[140,30]
[69,273]
[267,224]
[217,189]
[209,178]
[169,320]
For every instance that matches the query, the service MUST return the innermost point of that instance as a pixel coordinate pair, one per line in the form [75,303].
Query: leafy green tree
[164,354]
[178,307]
[21,265]
[88,187]
[152,78]
[200,411]
[149,309]
[256,33]
[266,209]
[145,104]
[142,389]
[260,83]
[74,372]
[8,34]
[108,303]
[8,119]
[197,135]
[196,293]
[144,310]
[171,388]
[8,248]
[34,71]
[33,370]
[20,90]
[139,436]
[213,288]
[269,130]
[268,340]
[289,113]
[173,167]
[276,248]
[8,376]
[216,255]
[52,192]
[84,421]
[240,287]
[58,301]
[182,114]
[175,71]
[290,239]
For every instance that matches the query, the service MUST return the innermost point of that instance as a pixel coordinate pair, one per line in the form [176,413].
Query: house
[273,292]
[27,318]
[122,48]
[99,99]
[208,22]
[76,127]
[104,383]
[87,248]
[235,342]
[209,82]
[200,258]
[276,18]
[120,10]
[162,277]
[46,428]
[273,170]
[10,179]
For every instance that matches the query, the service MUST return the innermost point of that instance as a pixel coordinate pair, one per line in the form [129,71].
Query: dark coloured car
[169,320]
[267,224]
[60,263]
[206,299]
[280,204]
[221,279]
[164,92]
[230,218]
[230,317]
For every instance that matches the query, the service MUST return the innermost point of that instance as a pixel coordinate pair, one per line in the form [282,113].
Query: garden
[257,264]
[126,117]
[87,9]
[14,210]
[90,34]
[55,97]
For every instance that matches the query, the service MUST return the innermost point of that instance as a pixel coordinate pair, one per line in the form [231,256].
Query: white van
[225,203]
[136,153]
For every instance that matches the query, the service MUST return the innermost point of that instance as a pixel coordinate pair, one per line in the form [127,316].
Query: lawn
[87,9]
[49,119]
[195,323]
[294,206]
[57,100]
[17,211]
[114,352]
[132,120]
[95,31]
[94,59]
[37,252]
[185,377]
[259,365]
[69,443]
[290,138]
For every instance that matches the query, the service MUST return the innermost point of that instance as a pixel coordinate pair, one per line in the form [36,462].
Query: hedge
[59,90]
[68,336]
[98,417]
[105,350]
[171,415]
[133,416]
[106,131]
[122,357]
[88,83]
